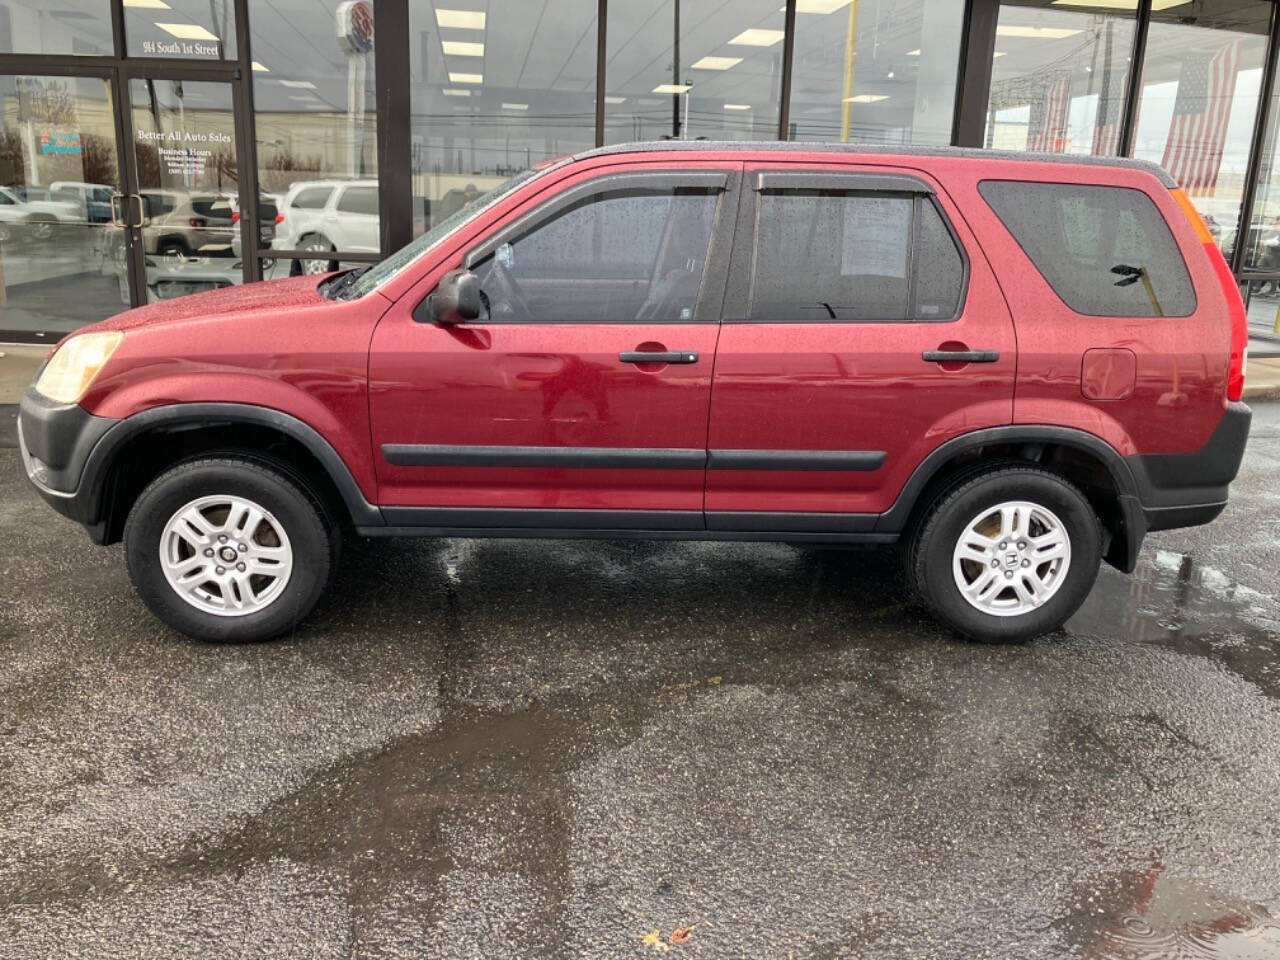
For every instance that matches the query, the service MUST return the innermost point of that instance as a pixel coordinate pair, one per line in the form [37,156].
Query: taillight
[279,218]
[235,217]
[196,221]
[1235,306]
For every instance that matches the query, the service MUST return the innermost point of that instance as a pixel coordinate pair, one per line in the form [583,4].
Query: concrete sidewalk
[18,364]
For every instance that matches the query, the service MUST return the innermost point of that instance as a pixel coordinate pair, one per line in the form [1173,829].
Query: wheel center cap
[228,554]
[1011,558]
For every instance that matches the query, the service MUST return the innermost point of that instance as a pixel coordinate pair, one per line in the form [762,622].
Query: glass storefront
[875,71]
[153,148]
[1059,76]
[495,91]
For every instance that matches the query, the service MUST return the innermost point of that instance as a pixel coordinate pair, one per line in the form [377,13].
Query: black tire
[930,550]
[314,537]
[321,244]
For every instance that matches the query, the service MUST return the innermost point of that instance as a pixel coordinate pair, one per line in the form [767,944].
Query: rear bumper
[1186,489]
[55,441]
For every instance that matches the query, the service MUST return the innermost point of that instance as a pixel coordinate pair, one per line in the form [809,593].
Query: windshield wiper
[336,286]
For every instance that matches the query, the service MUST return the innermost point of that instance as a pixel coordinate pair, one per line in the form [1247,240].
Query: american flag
[1053,117]
[1106,122]
[1206,86]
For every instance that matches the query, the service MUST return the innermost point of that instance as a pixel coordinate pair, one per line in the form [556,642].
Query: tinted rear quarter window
[1105,251]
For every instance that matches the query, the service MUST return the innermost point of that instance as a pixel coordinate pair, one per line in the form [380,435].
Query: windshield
[384,270]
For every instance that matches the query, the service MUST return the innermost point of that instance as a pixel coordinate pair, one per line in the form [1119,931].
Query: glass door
[182,214]
[60,166]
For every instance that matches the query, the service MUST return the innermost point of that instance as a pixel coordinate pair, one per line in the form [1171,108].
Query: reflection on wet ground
[528,749]
[1148,915]
[1173,601]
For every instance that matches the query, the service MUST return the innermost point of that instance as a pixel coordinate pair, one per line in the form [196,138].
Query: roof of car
[801,146]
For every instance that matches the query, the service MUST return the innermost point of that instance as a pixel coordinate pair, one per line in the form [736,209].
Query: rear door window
[853,256]
[362,200]
[1105,251]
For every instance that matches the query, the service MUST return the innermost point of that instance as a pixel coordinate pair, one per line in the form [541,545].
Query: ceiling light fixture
[298,84]
[715,63]
[455,92]
[1035,33]
[259,67]
[147,4]
[515,106]
[866,98]
[466,77]
[673,88]
[460,19]
[462,48]
[756,37]
[188,31]
[737,106]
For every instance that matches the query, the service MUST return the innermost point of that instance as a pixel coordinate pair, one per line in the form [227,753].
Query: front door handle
[669,356]
[961,356]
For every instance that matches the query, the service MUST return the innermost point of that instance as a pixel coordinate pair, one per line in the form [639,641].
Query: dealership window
[696,69]
[494,92]
[60,263]
[1059,76]
[1106,251]
[875,71]
[618,256]
[189,29]
[315,115]
[1201,81]
[78,27]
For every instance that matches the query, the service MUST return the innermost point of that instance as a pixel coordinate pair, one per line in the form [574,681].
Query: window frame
[1160,216]
[742,273]
[724,181]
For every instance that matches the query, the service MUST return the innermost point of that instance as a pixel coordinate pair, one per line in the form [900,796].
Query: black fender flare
[1126,540]
[102,457]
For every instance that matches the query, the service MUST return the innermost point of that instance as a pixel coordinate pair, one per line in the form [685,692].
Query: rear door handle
[961,356]
[670,356]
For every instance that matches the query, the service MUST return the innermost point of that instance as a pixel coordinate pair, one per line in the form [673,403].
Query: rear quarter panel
[1180,364]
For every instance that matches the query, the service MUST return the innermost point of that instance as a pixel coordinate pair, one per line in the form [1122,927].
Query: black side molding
[627,458]
[855,460]
[599,458]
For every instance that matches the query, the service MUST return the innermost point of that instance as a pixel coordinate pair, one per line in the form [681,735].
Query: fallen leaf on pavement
[682,934]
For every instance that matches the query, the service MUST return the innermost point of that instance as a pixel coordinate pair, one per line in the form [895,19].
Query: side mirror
[456,299]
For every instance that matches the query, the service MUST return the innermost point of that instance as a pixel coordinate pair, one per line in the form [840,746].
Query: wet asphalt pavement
[535,749]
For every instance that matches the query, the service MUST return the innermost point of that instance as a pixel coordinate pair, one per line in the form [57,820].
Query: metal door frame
[227,72]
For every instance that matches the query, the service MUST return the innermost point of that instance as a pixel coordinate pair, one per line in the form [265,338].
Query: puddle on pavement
[1145,915]
[1174,601]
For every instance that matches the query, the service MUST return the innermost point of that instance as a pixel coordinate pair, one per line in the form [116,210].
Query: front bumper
[55,441]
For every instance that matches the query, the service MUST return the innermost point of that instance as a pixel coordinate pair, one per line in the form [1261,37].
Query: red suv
[1014,367]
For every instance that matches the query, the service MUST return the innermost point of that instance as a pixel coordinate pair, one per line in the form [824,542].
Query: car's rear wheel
[1006,554]
[229,550]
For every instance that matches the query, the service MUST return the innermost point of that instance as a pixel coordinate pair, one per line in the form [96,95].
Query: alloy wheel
[1011,558]
[226,555]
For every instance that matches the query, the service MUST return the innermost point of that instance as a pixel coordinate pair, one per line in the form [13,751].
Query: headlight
[74,365]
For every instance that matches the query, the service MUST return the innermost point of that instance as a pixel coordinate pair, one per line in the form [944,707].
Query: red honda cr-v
[1015,367]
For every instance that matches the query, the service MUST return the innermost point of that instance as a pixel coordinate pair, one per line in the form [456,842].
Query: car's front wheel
[229,550]
[1006,554]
